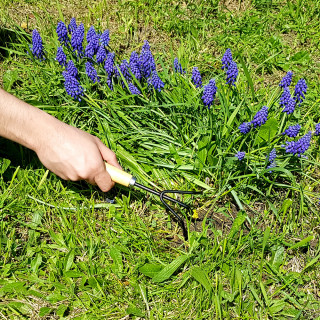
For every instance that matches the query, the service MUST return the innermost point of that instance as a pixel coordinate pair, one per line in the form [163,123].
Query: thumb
[108,155]
[103,181]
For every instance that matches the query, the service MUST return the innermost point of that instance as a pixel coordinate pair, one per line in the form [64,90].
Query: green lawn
[253,253]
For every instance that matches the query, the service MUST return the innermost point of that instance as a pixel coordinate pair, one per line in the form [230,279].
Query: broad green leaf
[17,287]
[55,297]
[134,311]
[287,203]
[201,276]
[278,257]
[312,262]
[44,311]
[9,78]
[237,223]
[302,243]
[168,270]
[73,274]
[4,164]
[150,270]
[69,260]
[116,256]
[276,306]
[269,130]
[36,262]
[61,310]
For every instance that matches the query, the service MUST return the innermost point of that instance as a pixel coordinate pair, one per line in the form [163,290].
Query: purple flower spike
[177,66]
[105,38]
[317,130]
[240,155]
[109,63]
[209,93]
[133,89]
[109,83]
[62,33]
[232,73]
[92,46]
[226,59]
[292,131]
[92,72]
[61,57]
[196,77]
[101,54]
[77,38]
[245,127]
[287,102]
[260,117]
[300,90]
[124,68]
[72,25]
[91,33]
[146,61]
[72,86]
[272,155]
[72,69]
[37,46]
[155,81]
[300,146]
[286,80]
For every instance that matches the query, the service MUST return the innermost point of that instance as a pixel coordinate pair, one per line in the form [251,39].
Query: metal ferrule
[132,182]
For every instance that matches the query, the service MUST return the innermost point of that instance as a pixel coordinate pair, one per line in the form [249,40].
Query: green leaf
[9,78]
[116,256]
[134,311]
[312,262]
[17,287]
[36,262]
[301,243]
[150,270]
[4,164]
[61,310]
[201,276]
[44,311]
[277,306]
[55,297]
[278,257]
[168,270]
[237,223]
[268,131]
[68,262]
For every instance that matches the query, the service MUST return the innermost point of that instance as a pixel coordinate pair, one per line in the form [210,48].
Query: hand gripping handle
[120,176]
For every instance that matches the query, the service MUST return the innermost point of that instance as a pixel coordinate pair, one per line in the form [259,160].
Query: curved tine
[180,221]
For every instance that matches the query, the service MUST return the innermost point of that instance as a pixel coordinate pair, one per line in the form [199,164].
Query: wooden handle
[120,176]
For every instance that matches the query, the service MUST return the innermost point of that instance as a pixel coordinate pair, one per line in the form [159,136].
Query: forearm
[23,123]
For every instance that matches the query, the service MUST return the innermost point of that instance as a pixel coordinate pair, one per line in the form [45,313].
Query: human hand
[73,154]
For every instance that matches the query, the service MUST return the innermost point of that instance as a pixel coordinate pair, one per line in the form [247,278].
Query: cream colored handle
[120,176]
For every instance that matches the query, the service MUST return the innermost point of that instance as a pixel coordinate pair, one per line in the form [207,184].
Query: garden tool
[127,180]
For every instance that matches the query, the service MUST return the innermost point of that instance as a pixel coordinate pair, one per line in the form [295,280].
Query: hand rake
[127,180]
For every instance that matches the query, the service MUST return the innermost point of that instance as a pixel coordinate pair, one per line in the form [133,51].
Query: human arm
[70,153]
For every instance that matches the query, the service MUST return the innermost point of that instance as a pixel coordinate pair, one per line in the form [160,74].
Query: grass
[254,251]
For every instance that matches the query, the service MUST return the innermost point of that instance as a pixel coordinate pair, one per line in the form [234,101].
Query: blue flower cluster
[92,72]
[292,131]
[300,146]
[231,68]
[286,80]
[196,77]
[72,86]
[72,25]
[177,66]
[61,56]
[287,102]
[271,159]
[245,127]
[133,89]
[260,117]
[317,130]
[300,90]
[77,38]
[155,81]
[209,93]
[72,69]
[37,46]
[62,33]
[240,155]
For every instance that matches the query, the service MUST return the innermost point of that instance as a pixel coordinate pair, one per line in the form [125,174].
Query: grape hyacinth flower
[226,59]
[72,86]
[155,81]
[245,127]
[300,146]
[72,25]
[272,155]
[240,155]
[101,54]
[134,65]
[124,68]
[196,77]
[292,131]
[177,66]
[77,39]
[209,93]
[286,80]
[287,102]
[109,63]
[300,91]
[260,117]
[271,165]
[92,72]
[109,83]
[133,89]
[92,46]
[72,69]
[232,73]
[105,38]
[37,46]
[146,60]
[317,130]
[62,33]
[61,57]
[91,33]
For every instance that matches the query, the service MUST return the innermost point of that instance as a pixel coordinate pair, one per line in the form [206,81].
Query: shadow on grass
[7,37]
